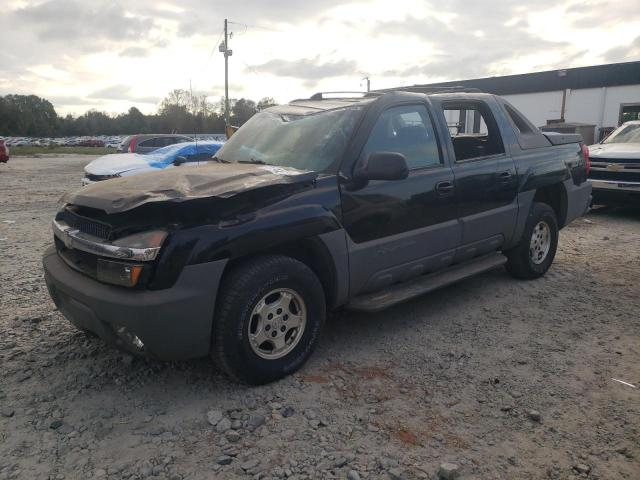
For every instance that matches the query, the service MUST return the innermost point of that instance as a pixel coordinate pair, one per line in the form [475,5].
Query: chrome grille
[85,225]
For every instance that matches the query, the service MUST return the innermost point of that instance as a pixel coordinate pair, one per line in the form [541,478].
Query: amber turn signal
[118,273]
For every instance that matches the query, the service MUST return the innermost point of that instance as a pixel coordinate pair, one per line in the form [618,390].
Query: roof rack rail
[321,95]
[430,89]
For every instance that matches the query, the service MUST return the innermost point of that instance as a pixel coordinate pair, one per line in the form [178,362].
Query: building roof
[611,75]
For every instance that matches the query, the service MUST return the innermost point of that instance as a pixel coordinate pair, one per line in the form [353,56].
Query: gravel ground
[502,379]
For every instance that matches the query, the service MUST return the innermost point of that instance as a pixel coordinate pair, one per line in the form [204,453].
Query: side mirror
[179,161]
[383,166]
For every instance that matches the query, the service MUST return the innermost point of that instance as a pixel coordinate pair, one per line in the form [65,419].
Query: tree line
[179,112]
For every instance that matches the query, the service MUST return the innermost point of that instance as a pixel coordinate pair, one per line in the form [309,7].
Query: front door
[402,228]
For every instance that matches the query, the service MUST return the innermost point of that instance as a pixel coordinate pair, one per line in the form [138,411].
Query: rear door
[485,177]
[402,228]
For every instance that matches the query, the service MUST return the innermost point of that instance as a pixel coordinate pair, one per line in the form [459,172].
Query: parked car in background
[615,166]
[91,142]
[360,203]
[149,142]
[4,151]
[126,164]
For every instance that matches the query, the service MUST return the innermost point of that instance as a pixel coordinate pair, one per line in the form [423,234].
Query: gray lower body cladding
[172,324]
[578,200]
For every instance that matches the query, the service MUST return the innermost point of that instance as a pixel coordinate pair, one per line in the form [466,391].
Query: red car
[4,152]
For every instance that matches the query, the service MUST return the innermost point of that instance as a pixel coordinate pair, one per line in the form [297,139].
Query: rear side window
[473,129]
[520,123]
[527,134]
[407,130]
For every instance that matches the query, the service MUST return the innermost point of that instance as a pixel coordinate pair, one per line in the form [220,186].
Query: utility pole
[224,48]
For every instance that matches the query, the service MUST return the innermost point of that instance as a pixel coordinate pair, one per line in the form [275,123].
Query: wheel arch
[554,195]
[321,253]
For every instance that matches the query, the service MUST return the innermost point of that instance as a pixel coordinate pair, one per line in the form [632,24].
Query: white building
[601,95]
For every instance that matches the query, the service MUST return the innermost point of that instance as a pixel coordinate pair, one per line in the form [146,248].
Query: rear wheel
[268,319]
[533,256]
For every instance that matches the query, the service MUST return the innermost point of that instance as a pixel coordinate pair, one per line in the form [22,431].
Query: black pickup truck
[354,202]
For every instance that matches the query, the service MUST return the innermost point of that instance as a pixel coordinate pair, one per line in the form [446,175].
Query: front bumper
[611,191]
[170,324]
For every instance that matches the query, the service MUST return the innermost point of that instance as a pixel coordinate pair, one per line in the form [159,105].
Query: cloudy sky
[111,54]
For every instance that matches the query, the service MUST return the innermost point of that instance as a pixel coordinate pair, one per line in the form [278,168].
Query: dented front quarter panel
[261,221]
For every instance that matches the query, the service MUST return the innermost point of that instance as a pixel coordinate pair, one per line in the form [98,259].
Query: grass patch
[31,151]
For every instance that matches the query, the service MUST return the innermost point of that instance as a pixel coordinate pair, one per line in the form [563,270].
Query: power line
[257,26]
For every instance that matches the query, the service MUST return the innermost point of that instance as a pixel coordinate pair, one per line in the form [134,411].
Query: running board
[401,292]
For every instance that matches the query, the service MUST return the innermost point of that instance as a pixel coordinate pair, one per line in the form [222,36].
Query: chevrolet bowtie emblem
[615,167]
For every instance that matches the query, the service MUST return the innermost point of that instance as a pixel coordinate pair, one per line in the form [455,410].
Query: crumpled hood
[181,184]
[615,150]
[116,163]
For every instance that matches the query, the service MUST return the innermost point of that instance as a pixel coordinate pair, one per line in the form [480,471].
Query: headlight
[139,246]
[150,239]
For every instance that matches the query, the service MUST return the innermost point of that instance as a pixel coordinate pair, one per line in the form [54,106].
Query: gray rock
[287,411]
[255,421]
[353,475]
[310,414]
[236,424]
[582,468]
[250,464]
[232,436]
[223,425]
[214,416]
[396,474]
[8,412]
[340,462]
[56,424]
[386,463]
[224,460]
[448,471]
[534,415]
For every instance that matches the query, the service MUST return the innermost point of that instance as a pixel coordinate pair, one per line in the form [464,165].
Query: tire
[241,322]
[527,261]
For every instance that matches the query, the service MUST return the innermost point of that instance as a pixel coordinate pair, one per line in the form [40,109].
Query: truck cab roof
[323,101]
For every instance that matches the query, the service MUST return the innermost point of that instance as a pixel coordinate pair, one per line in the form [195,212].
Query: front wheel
[268,319]
[533,256]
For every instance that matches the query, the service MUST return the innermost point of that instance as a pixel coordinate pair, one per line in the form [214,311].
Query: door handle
[444,188]
[505,176]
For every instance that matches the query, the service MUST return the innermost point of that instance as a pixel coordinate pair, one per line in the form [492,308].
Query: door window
[407,130]
[474,132]
[146,144]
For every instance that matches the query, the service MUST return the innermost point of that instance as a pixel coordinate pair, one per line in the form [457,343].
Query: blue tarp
[165,156]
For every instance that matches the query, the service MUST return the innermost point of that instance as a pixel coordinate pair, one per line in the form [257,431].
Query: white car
[615,166]
[126,164]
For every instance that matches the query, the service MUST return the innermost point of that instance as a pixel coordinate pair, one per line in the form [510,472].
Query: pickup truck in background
[615,166]
[360,202]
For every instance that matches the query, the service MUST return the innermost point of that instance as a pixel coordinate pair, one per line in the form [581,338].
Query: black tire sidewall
[239,356]
[540,212]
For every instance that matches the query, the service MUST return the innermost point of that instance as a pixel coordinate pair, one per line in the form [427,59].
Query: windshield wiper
[219,160]
[254,161]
